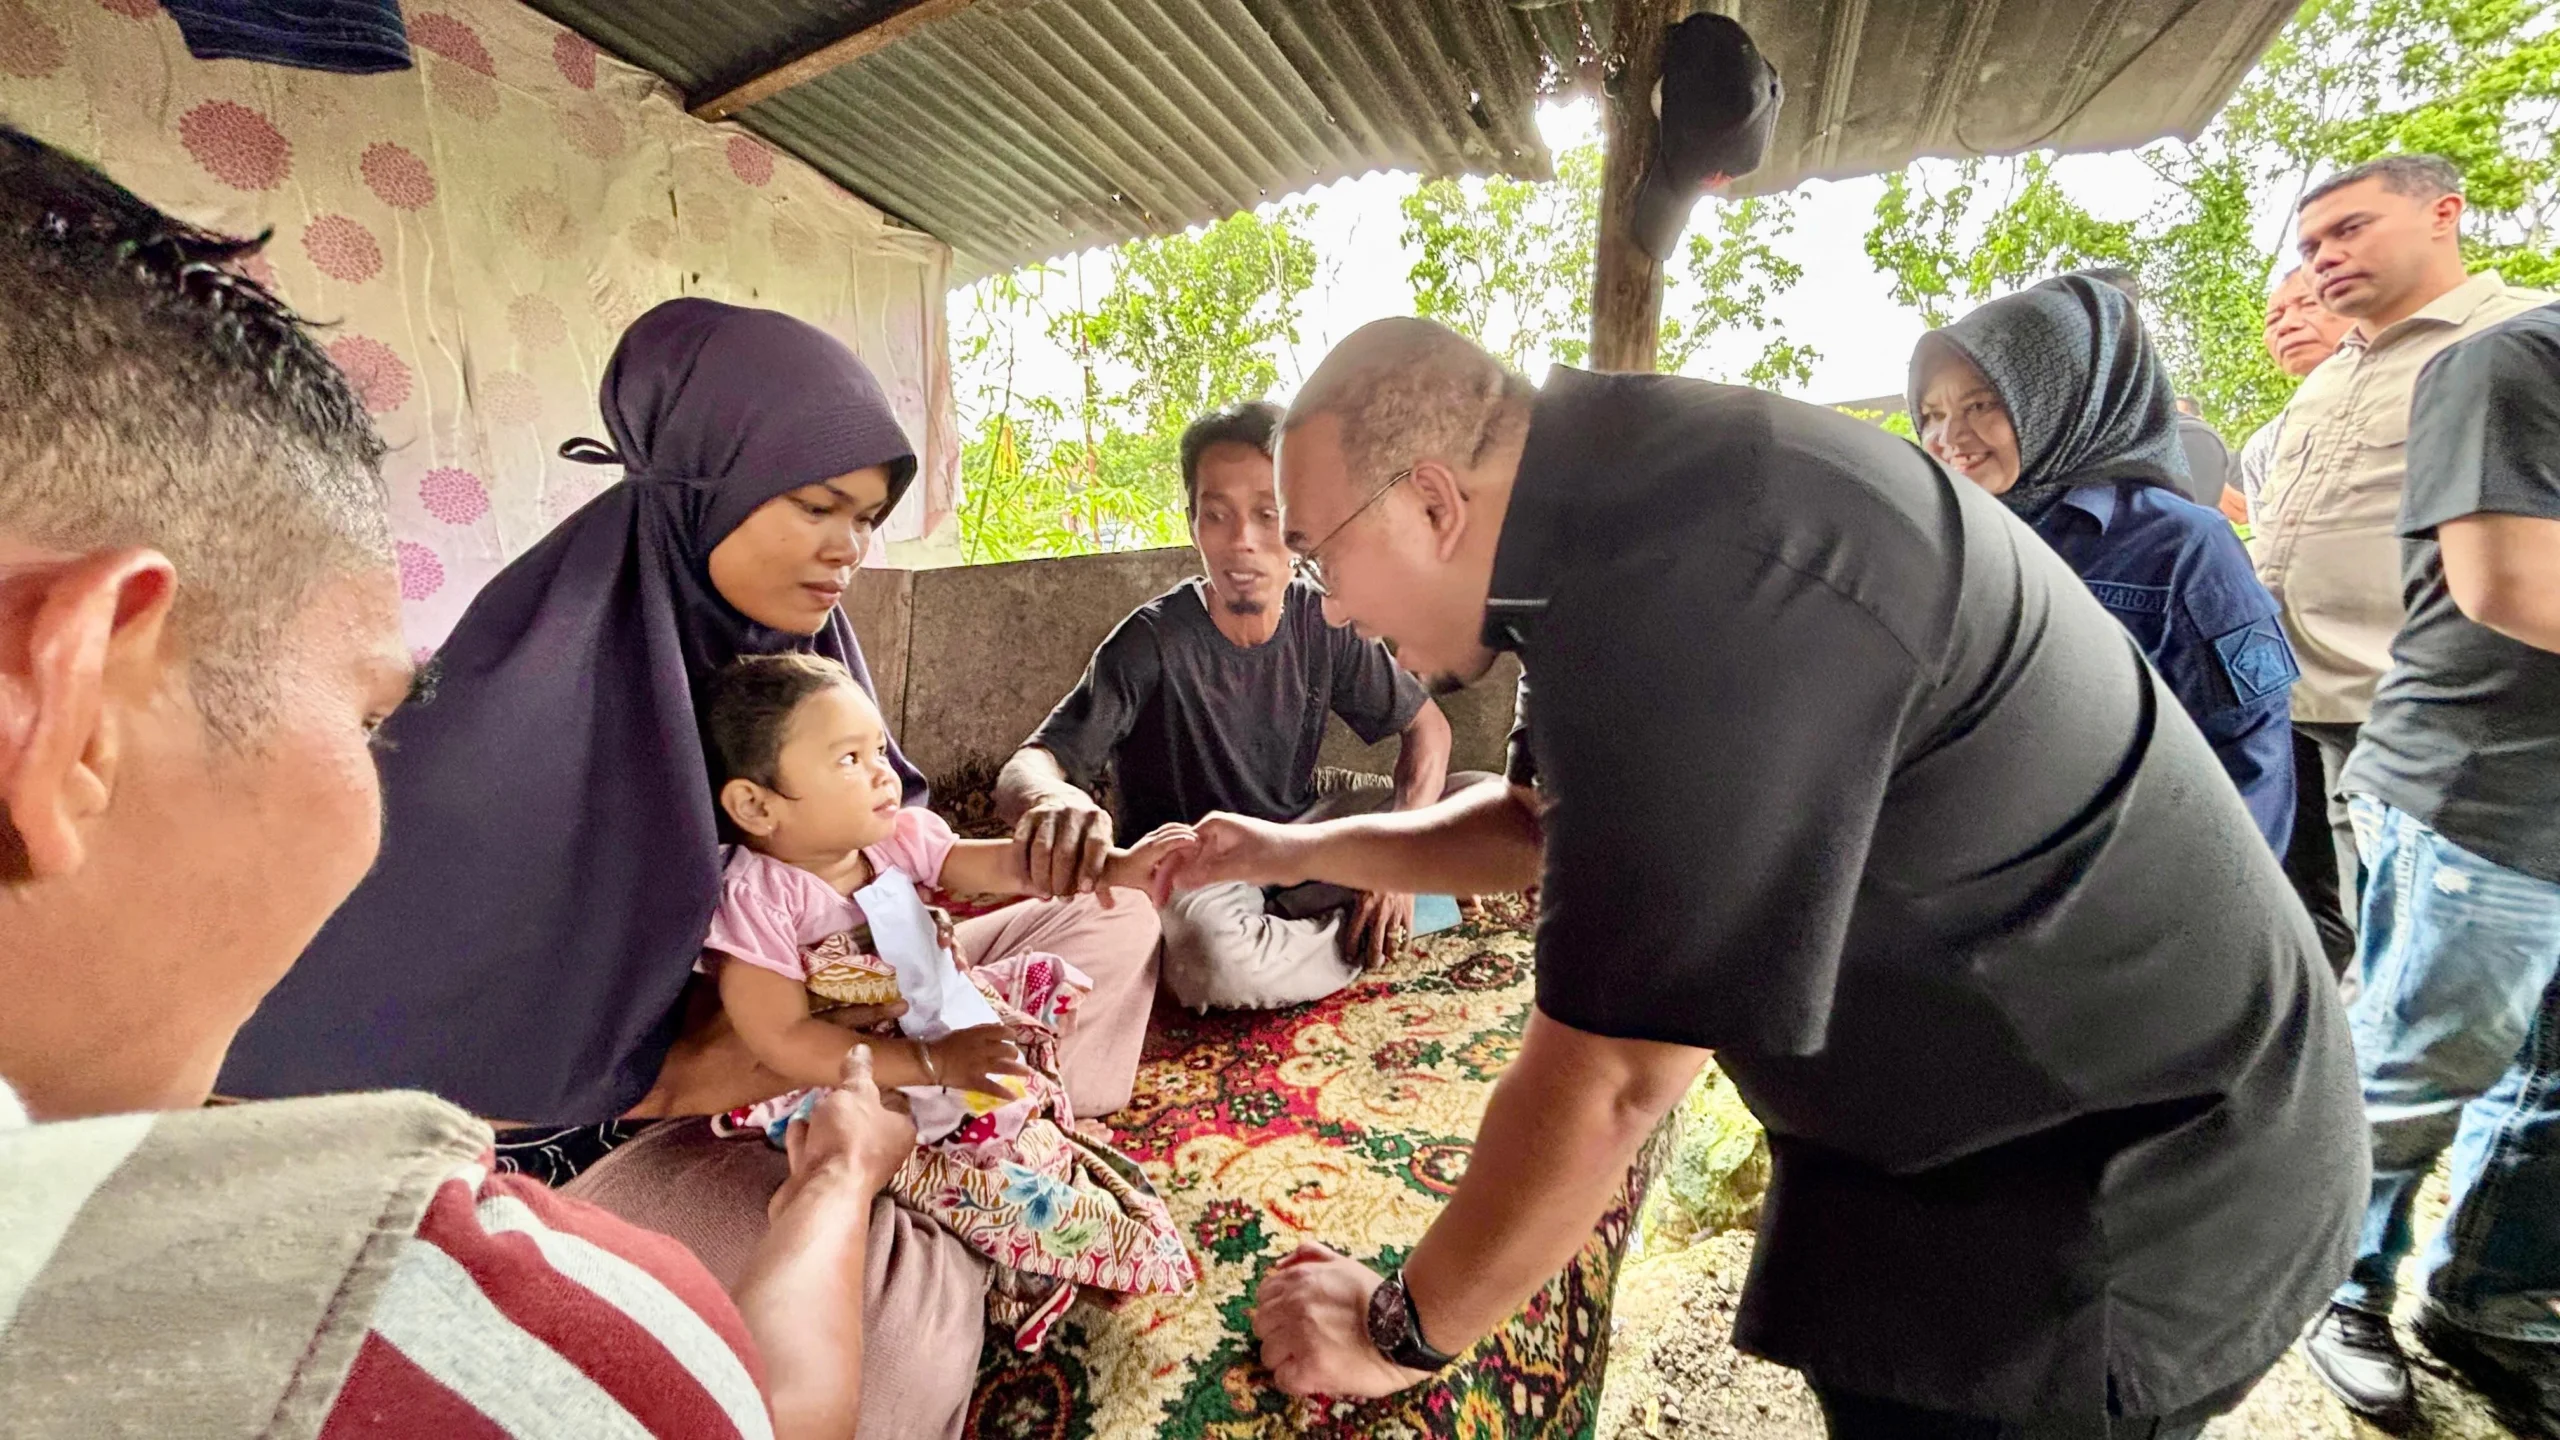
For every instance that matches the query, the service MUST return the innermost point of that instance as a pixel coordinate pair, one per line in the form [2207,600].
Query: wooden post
[1626,284]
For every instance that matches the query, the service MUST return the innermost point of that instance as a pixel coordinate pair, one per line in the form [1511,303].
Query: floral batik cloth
[1053,1209]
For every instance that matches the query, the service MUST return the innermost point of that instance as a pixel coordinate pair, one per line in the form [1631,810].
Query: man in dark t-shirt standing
[1836,770]
[2454,787]
[1213,696]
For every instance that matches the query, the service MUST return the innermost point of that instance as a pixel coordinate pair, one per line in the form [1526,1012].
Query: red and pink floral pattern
[441,34]
[29,48]
[543,221]
[381,379]
[593,128]
[342,249]
[236,145]
[750,161]
[466,93]
[511,398]
[536,322]
[575,56]
[452,495]
[421,573]
[397,177]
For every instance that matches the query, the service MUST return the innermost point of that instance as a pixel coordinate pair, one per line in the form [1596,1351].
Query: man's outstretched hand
[1227,848]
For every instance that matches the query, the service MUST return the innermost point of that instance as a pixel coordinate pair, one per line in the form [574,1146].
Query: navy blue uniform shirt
[2176,576]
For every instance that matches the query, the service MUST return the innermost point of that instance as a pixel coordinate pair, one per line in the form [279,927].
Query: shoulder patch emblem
[2256,659]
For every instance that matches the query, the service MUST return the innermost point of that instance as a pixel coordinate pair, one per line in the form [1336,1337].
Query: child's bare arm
[771,1012]
[984,867]
[994,867]
[772,1015]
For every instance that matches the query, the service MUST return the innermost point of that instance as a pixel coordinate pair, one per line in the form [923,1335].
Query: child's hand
[973,1059]
[1139,866]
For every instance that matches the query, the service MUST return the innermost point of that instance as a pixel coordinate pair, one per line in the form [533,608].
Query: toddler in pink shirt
[821,905]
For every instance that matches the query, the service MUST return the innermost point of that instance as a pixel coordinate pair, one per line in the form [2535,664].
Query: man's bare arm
[1564,1123]
[2504,572]
[801,1297]
[1480,841]
[1029,777]
[1422,760]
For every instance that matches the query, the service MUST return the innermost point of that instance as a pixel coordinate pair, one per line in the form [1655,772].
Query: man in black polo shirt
[2455,791]
[1839,773]
[1213,696]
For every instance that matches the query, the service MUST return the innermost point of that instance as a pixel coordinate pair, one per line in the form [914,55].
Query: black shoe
[2521,1378]
[2355,1354]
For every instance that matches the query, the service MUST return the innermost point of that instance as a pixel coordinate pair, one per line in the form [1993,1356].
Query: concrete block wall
[968,660]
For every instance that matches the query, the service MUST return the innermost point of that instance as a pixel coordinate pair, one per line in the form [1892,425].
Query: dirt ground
[1673,1373]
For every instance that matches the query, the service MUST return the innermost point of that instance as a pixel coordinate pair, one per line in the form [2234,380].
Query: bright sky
[1841,307]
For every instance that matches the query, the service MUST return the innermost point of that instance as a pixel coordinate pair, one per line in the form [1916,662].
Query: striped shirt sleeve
[515,1312]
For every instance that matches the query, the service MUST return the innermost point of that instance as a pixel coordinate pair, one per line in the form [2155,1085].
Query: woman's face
[1963,423]
[788,563]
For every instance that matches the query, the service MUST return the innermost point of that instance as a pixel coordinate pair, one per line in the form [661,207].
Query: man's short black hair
[151,395]
[2420,177]
[1247,422]
[2117,276]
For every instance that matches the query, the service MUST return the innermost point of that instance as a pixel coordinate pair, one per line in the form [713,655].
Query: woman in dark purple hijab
[550,854]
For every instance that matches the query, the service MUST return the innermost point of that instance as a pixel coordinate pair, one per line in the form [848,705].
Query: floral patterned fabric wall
[475,233]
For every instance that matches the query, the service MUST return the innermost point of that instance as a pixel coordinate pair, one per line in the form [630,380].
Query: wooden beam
[843,50]
[1626,283]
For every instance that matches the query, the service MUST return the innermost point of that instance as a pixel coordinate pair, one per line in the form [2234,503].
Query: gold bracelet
[924,1057]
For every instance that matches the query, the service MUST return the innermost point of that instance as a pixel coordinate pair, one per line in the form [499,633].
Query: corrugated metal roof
[1021,129]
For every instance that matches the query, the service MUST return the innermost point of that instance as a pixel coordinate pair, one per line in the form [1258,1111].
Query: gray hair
[1406,390]
[2420,177]
[150,395]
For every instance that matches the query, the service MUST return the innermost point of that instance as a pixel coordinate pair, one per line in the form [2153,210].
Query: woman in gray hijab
[2053,400]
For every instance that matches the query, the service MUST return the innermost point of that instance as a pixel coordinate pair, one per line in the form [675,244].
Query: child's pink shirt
[769,908]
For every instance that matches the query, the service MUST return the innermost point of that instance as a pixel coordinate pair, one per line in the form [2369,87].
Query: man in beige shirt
[2381,244]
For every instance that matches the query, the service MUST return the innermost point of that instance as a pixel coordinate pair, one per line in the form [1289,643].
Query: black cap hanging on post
[1718,103]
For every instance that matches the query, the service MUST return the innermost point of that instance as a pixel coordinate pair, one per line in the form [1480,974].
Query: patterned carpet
[1347,1122]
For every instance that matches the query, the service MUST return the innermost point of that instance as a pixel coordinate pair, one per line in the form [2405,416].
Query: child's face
[834,771]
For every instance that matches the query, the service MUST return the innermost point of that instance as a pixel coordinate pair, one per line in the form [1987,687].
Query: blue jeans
[2457,1034]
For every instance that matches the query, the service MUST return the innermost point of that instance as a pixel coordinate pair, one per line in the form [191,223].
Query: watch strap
[1415,1352]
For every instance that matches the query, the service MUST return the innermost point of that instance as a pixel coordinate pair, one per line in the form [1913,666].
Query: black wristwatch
[1396,1328]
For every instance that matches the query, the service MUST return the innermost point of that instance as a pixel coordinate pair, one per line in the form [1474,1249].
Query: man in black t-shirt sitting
[1213,696]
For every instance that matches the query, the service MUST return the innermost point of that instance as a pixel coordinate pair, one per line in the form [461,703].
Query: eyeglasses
[1309,567]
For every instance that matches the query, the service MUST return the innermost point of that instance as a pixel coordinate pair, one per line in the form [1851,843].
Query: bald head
[1396,464]
[1403,390]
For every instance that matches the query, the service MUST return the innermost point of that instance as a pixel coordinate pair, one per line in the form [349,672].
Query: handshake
[1175,858]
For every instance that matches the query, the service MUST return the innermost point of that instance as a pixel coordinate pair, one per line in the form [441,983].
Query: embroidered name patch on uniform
[2256,659]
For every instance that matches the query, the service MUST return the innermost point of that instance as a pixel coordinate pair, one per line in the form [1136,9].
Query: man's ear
[82,647]
[749,806]
[1444,505]
[2448,214]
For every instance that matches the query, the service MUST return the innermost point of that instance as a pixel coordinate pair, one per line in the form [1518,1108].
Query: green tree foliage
[1189,322]
[1509,265]
[1194,317]
[2475,80]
